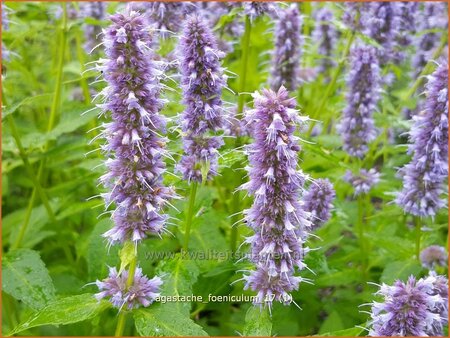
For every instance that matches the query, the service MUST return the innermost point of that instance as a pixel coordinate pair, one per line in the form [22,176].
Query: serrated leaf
[65,311]
[257,322]
[159,320]
[352,332]
[25,277]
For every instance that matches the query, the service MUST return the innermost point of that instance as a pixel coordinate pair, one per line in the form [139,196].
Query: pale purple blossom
[363,181]
[414,308]
[288,43]
[325,35]
[280,224]
[142,292]
[424,176]
[318,200]
[357,127]
[134,145]
[94,10]
[202,79]
[255,9]
[433,256]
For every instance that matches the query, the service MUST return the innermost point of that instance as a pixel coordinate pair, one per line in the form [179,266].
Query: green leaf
[400,270]
[34,100]
[26,278]
[65,311]
[353,332]
[179,275]
[257,322]
[159,320]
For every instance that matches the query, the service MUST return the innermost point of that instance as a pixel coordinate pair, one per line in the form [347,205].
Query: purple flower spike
[202,81]
[424,176]
[134,147]
[325,33]
[433,256]
[255,9]
[276,216]
[414,308]
[95,10]
[407,28]
[318,201]
[382,20]
[286,57]
[142,292]
[363,181]
[357,126]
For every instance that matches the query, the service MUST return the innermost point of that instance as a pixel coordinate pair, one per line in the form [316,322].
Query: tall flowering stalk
[135,153]
[202,80]
[286,57]
[407,12]
[357,126]
[382,22]
[415,308]
[325,33]
[424,176]
[276,216]
[318,201]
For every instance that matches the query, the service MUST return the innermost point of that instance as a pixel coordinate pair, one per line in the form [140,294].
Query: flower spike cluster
[286,57]
[325,33]
[363,181]
[255,9]
[134,145]
[202,79]
[276,216]
[415,308]
[433,256]
[424,176]
[357,126]
[318,201]
[143,291]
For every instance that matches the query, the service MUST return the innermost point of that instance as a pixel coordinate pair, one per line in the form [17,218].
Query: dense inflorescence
[202,81]
[255,9]
[94,10]
[5,27]
[382,20]
[134,145]
[432,17]
[325,34]
[363,181]
[407,12]
[276,216]
[318,201]
[424,176]
[357,126]
[286,57]
[142,292]
[415,308]
[433,256]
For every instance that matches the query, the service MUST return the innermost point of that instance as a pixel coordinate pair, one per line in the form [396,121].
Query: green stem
[189,215]
[361,229]
[245,45]
[83,83]
[234,222]
[51,122]
[123,313]
[331,86]
[418,235]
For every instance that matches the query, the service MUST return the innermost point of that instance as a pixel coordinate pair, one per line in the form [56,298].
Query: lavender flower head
[134,147]
[363,181]
[325,33]
[433,256]
[433,16]
[167,17]
[5,27]
[255,9]
[351,15]
[424,176]
[142,292]
[357,126]
[202,79]
[414,308]
[95,10]
[407,12]
[318,200]
[276,216]
[286,57]
[382,20]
